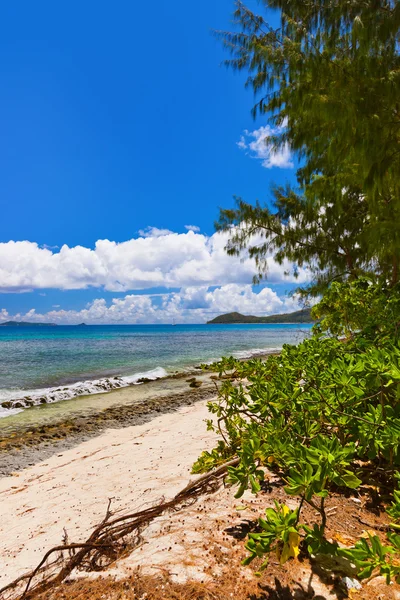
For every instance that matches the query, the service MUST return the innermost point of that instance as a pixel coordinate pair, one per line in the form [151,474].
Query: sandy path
[135,466]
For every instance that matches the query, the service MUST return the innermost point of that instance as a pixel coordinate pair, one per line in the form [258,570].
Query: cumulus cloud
[194,228]
[159,258]
[256,142]
[189,305]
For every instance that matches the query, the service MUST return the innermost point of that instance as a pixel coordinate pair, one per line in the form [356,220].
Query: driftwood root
[108,541]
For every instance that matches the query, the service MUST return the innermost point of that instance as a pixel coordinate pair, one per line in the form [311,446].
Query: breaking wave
[13,401]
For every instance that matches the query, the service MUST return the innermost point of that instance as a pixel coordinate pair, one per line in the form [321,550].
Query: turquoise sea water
[48,364]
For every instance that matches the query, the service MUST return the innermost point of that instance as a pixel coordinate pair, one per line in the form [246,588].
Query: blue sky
[117,118]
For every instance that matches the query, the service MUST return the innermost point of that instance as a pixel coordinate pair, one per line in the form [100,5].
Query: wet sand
[42,431]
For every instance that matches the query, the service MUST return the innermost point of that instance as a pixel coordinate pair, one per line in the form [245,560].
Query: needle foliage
[325,414]
[329,78]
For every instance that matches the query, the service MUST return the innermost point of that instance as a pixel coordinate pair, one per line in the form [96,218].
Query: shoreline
[77,388]
[24,443]
[31,444]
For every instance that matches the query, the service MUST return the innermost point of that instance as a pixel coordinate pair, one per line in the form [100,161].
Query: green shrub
[325,415]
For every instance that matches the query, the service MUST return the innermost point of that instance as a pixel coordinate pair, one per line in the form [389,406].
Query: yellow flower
[270,459]
[290,549]
[285,510]
[294,543]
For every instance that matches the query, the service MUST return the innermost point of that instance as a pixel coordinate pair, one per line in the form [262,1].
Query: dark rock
[144,380]
[195,384]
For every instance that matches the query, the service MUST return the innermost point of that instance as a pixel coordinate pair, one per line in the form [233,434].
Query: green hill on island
[26,324]
[299,316]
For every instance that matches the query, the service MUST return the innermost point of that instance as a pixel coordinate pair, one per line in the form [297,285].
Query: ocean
[41,365]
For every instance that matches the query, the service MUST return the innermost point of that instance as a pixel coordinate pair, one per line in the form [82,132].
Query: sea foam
[13,401]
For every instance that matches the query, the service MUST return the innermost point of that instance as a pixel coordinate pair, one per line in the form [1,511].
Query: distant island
[299,316]
[26,324]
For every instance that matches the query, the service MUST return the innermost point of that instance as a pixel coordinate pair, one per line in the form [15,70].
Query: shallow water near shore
[72,366]
[85,406]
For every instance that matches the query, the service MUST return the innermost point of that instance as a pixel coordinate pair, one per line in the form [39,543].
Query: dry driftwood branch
[107,542]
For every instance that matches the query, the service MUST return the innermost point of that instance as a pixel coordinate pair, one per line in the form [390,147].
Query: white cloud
[257,143]
[153,232]
[189,305]
[160,258]
[194,228]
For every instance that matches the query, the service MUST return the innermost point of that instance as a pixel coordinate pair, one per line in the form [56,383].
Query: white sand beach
[135,466]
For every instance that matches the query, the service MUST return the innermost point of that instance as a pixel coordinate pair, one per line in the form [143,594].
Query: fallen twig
[377,526]
[108,541]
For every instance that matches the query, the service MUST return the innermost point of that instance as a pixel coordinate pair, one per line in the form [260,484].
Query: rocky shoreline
[81,388]
[31,445]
